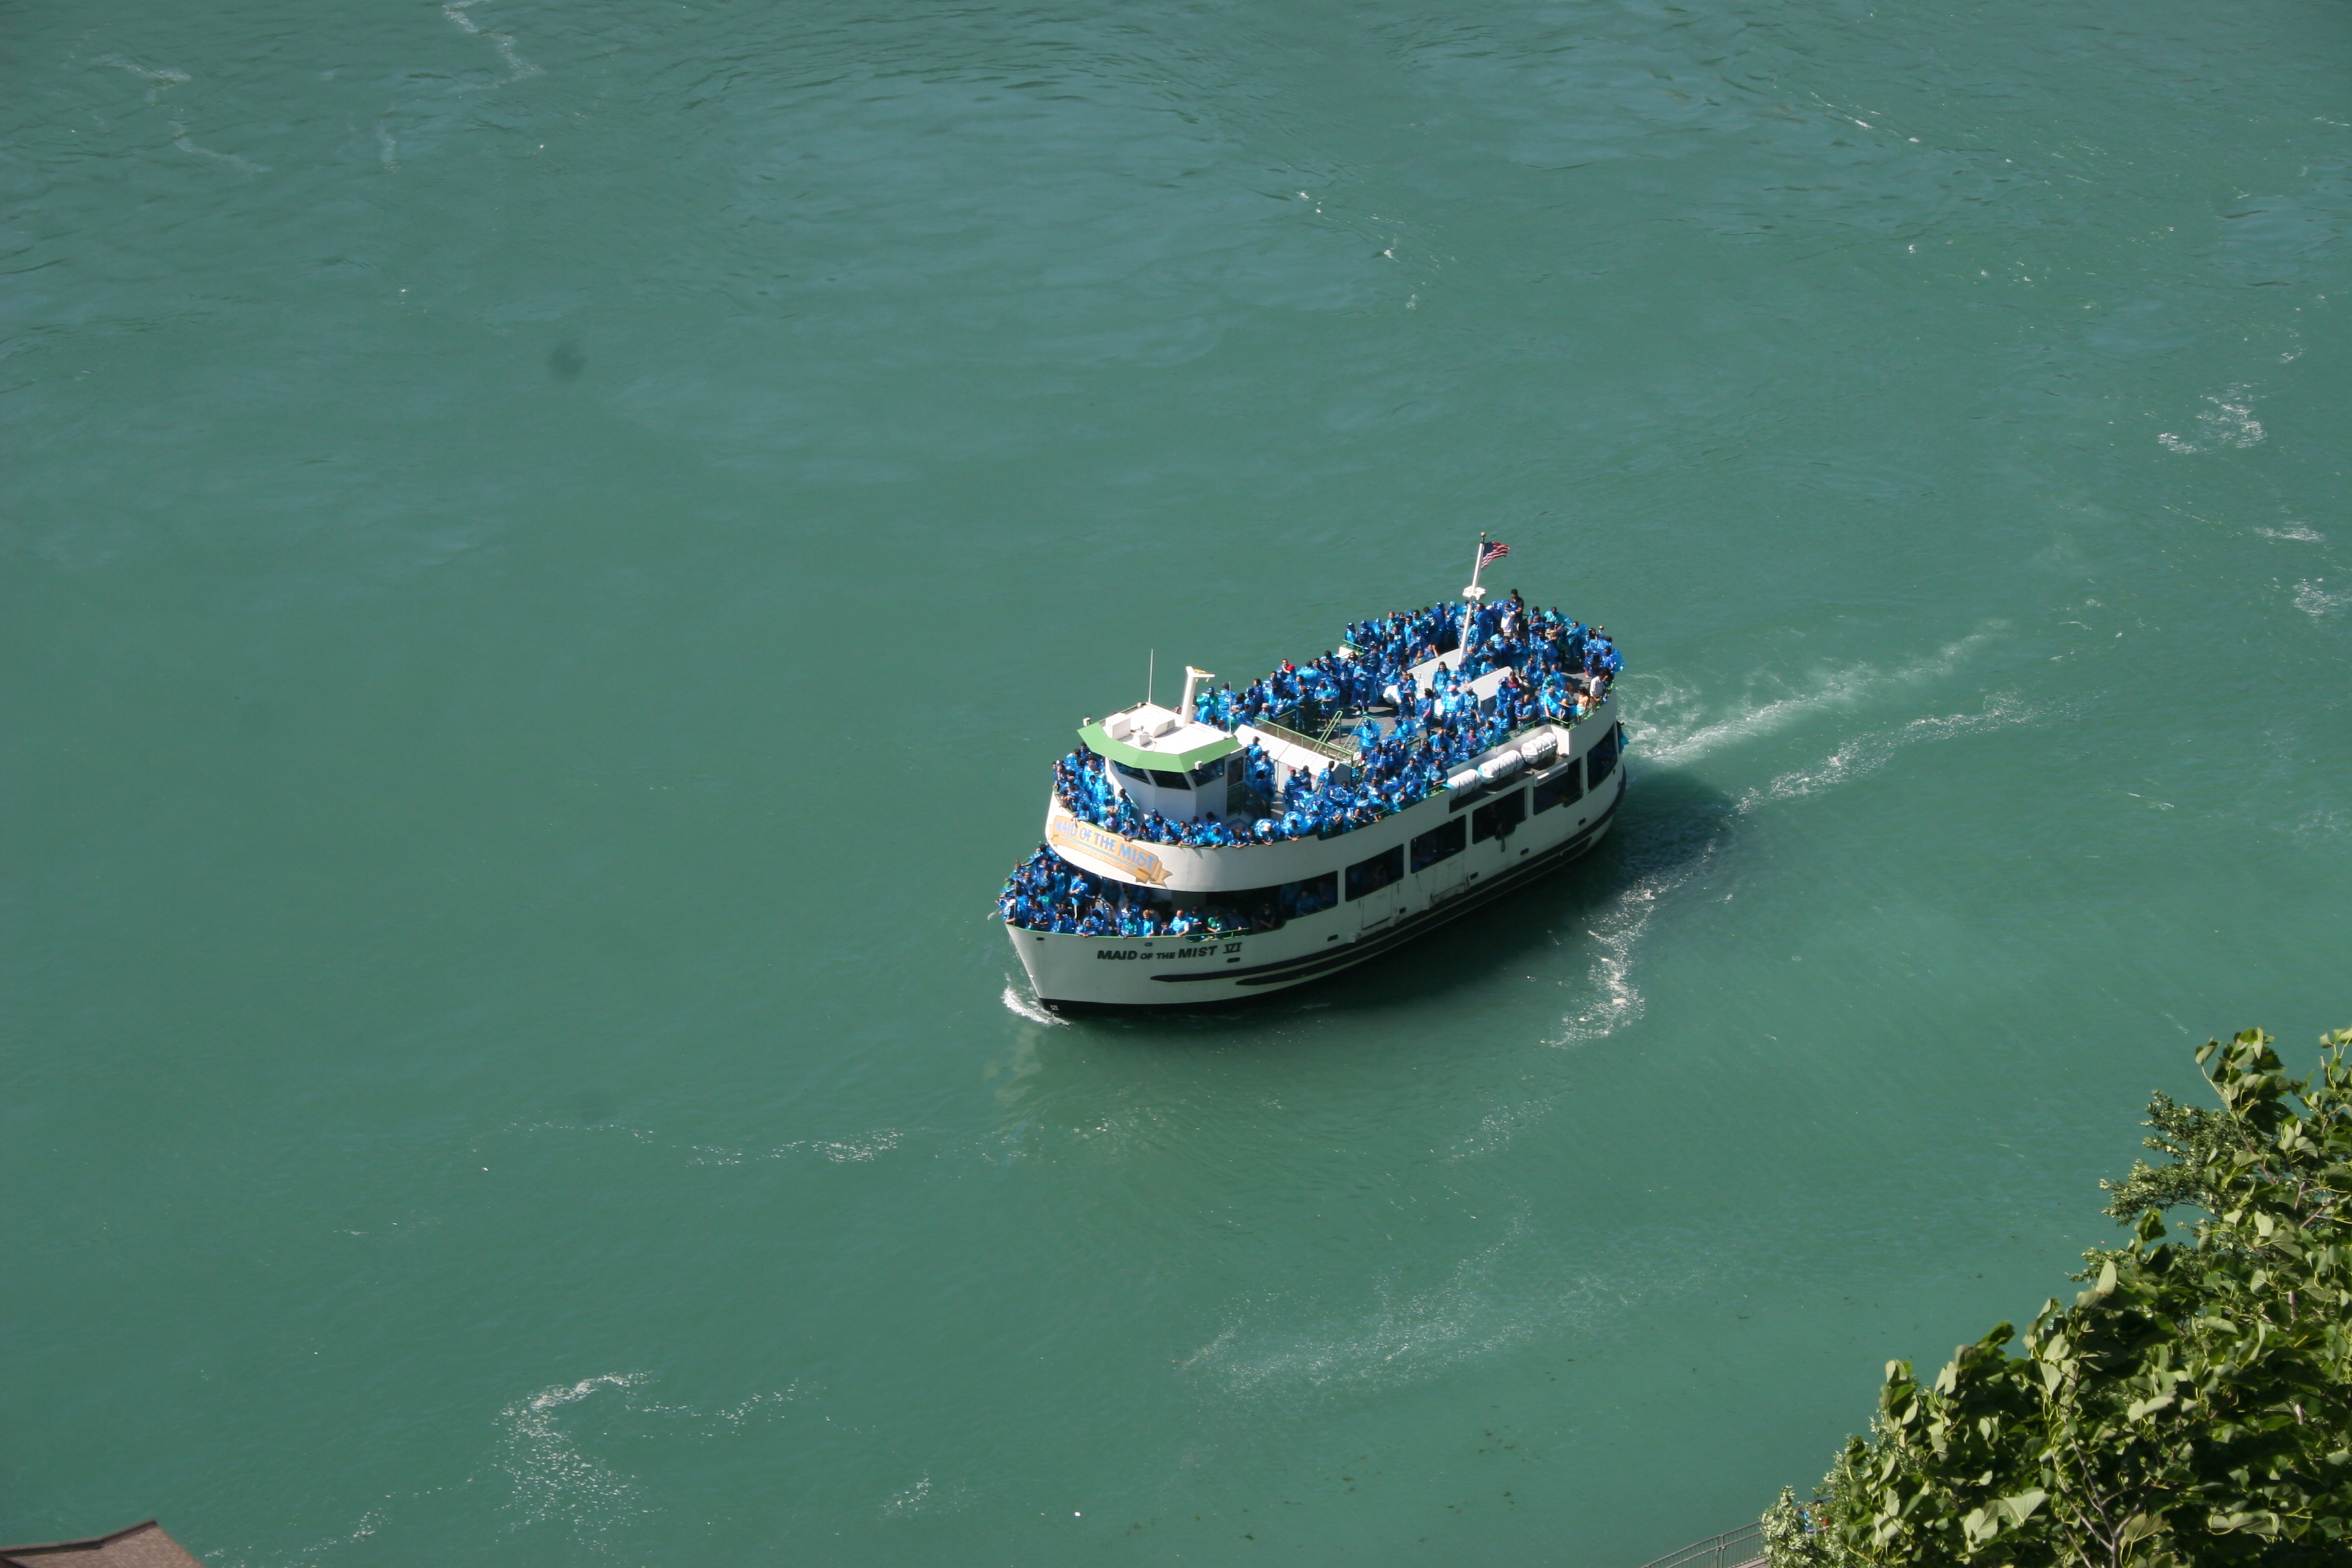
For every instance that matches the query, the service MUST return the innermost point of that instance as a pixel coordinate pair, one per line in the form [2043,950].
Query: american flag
[1494,552]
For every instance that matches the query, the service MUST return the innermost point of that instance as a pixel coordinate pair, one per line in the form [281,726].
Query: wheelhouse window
[1167,779]
[1603,756]
[1440,843]
[1566,786]
[1208,773]
[1370,876]
[1498,817]
[1138,775]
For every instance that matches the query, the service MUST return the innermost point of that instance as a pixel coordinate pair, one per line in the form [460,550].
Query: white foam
[180,140]
[158,80]
[1866,754]
[858,1150]
[2229,422]
[1837,688]
[1023,1007]
[737,1415]
[2312,598]
[1613,1000]
[925,1498]
[553,1479]
[370,1522]
[518,68]
[1404,1339]
[910,1501]
[1498,1127]
[1272,1353]
[161,81]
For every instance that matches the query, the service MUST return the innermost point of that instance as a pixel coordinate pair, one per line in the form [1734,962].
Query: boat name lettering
[1166,955]
[1108,846]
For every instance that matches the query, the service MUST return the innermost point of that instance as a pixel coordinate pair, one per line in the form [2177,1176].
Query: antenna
[1150,675]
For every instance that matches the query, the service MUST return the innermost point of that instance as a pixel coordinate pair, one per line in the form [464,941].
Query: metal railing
[1740,1548]
[1322,745]
[1299,737]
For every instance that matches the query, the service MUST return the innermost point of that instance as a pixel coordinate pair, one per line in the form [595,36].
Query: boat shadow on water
[1670,823]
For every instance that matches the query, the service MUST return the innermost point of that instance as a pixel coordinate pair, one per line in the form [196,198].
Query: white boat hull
[1082,973]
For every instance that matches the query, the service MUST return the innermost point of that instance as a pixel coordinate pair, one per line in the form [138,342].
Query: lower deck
[1439,859]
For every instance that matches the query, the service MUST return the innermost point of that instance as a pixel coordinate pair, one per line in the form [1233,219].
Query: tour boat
[1265,897]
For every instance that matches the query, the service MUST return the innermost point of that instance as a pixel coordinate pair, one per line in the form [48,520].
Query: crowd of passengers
[1045,892]
[1556,668]
[1548,649]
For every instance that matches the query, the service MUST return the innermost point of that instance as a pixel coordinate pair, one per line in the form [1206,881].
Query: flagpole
[1471,596]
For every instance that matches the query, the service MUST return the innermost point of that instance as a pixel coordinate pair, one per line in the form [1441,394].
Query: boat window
[1246,909]
[1370,876]
[1563,786]
[1313,893]
[1208,773]
[1603,756]
[1498,817]
[1136,773]
[1166,779]
[1440,843]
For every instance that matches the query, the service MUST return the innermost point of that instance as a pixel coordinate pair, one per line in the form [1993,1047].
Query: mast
[1471,595]
[1193,679]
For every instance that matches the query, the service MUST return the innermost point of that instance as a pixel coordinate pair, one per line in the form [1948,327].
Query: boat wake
[1837,688]
[1271,1353]
[1021,1005]
[1406,1337]
[1610,998]
[1866,754]
[553,1481]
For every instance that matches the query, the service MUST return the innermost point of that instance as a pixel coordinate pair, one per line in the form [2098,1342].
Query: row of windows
[1496,819]
[1266,908]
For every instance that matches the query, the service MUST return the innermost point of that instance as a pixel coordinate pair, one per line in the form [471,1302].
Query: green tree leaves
[2191,1409]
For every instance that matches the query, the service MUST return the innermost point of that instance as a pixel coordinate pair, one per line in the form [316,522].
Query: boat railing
[1741,1548]
[1321,746]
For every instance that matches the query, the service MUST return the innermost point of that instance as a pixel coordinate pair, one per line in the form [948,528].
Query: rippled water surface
[548,548]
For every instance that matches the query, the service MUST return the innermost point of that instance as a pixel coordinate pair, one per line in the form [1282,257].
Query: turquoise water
[548,552]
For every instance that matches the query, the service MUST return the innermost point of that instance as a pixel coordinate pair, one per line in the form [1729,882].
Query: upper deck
[1411,706]
[1251,862]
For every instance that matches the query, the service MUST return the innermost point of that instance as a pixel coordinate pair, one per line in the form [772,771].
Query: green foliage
[2191,1409]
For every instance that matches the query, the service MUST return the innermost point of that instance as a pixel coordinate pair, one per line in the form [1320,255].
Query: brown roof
[143,1545]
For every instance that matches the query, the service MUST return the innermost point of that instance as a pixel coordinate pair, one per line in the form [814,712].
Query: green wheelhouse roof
[1099,740]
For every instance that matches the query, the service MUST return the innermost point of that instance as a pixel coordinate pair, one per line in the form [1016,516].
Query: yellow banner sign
[1110,847]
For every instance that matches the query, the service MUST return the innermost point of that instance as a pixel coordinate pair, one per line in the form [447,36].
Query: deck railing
[1299,737]
[1740,1548]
